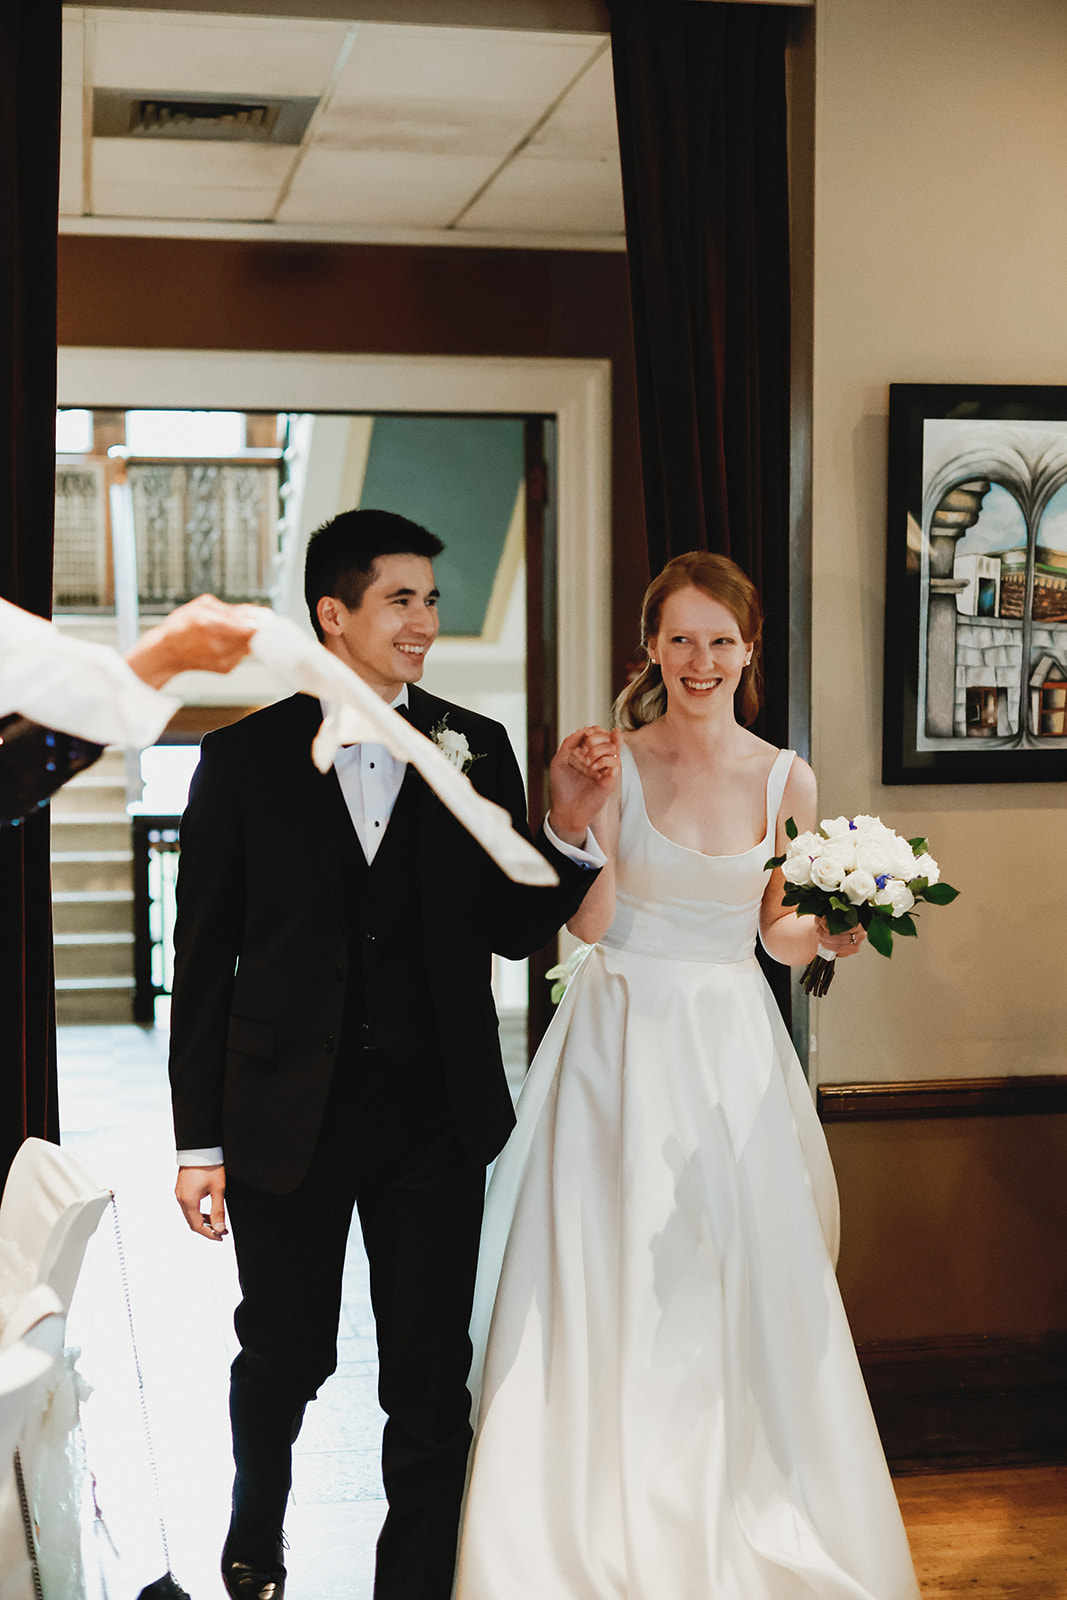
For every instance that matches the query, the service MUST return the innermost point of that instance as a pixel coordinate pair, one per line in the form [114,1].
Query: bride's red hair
[720,579]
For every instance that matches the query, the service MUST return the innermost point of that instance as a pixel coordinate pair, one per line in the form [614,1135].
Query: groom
[334,1044]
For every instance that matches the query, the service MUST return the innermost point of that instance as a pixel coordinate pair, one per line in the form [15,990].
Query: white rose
[897,896]
[829,872]
[797,870]
[872,856]
[868,825]
[454,746]
[833,827]
[900,859]
[806,844]
[858,887]
[926,867]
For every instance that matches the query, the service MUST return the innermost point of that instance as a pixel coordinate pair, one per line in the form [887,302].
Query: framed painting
[976,585]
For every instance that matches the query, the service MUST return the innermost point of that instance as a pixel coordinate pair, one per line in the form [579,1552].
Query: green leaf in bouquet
[919,847]
[775,861]
[838,921]
[880,934]
[918,886]
[940,894]
[904,925]
[843,905]
[811,904]
[791,829]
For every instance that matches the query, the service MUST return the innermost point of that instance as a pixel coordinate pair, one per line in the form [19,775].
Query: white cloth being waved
[90,691]
[670,1403]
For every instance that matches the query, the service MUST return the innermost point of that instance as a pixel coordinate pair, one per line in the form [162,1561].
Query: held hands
[842,944]
[584,772]
[205,634]
[196,1184]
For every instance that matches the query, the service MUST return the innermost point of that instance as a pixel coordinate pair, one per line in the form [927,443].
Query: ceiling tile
[455,91]
[203,165]
[382,189]
[173,202]
[176,52]
[584,123]
[540,195]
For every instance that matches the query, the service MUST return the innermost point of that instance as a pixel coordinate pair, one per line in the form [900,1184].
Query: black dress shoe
[246,1582]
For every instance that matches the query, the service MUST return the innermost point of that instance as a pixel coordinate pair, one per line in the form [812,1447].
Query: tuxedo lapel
[429,810]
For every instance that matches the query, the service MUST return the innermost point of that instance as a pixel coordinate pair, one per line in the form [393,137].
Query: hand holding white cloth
[355,713]
[79,688]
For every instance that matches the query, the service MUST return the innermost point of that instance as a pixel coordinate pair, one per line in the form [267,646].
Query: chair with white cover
[36,1327]
[50,1209]
[49,1212]
[21,1369]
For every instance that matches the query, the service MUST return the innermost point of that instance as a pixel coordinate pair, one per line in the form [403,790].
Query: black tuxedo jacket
[261,939]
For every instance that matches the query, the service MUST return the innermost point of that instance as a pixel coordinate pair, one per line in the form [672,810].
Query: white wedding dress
[671,1407]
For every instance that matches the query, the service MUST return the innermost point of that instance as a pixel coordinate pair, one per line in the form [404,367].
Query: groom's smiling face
[386,638]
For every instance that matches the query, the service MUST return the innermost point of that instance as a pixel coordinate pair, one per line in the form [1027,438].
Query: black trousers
[420,1207]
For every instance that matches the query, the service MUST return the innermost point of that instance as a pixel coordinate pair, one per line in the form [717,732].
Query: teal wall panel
[457,476]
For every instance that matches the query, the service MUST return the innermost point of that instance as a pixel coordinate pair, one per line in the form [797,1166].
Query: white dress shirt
[370,779]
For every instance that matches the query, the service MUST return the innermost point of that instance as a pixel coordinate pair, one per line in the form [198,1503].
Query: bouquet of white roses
[857,872]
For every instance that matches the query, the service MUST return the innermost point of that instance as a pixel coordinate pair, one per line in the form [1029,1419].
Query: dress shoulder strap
[776,782]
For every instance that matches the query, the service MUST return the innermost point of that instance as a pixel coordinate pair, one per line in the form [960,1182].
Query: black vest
[390,1031]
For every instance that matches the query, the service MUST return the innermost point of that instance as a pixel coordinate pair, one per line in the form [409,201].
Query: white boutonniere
[453,745]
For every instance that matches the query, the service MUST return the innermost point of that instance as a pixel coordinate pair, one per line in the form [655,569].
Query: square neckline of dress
[734,855]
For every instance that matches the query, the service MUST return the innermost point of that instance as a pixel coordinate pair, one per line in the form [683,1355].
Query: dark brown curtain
[30,32]
[700,91]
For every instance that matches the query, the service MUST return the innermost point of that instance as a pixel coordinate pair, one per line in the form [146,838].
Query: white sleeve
[590,856]
[84,689]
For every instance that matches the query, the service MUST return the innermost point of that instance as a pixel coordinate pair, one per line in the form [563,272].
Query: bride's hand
[584,772]
[842,944]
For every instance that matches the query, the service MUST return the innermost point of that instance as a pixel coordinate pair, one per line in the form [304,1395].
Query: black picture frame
[975,686]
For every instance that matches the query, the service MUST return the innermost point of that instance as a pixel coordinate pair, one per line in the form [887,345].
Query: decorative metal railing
[199,527]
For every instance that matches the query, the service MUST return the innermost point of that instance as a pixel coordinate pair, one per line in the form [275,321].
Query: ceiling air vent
[229,119]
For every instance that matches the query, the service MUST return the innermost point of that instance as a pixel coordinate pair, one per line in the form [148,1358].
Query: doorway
[562,412]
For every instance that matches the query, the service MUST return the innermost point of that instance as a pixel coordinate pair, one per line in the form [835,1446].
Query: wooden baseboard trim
[943,1097]
[969,1402]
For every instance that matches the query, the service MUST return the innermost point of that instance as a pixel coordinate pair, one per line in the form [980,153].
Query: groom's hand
[196,1184]
[584,772]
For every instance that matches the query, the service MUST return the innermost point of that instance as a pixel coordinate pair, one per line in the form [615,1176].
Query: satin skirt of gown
[667,1398]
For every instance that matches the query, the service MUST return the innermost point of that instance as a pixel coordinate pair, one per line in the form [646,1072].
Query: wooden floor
[990,1534]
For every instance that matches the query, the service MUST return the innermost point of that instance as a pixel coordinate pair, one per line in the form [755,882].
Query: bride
[668,1401]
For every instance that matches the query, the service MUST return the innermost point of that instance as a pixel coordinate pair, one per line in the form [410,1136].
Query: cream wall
[940,255]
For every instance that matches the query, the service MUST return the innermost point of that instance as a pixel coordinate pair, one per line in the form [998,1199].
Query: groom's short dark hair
[341,555]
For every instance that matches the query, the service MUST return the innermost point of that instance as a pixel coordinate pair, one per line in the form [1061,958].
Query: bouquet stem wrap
[818,975]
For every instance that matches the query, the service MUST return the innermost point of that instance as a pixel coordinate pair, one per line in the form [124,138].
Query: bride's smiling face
[699,650]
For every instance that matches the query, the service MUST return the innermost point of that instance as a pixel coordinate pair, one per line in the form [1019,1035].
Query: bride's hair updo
[720,579]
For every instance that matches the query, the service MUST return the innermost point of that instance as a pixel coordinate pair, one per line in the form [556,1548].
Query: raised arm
[603,754]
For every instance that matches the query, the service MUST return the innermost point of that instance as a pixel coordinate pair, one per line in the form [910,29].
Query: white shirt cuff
[210,1156]
[590,856]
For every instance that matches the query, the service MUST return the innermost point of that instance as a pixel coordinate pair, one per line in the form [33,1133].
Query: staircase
[92,895]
